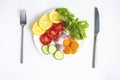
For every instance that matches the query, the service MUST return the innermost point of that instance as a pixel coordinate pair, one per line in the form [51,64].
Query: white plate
[66,56]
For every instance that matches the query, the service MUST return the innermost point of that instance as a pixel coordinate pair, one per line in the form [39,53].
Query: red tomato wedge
[45,40]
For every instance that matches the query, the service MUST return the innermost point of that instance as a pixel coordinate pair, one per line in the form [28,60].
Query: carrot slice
[74,45]
[66,42]
[74,51]
[71,46]
[67,50]
[71,39]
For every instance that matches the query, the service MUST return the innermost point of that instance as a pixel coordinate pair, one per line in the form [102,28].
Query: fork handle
[22,37]
[94,50]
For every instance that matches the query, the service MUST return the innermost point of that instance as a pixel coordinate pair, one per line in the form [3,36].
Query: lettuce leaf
[76,27]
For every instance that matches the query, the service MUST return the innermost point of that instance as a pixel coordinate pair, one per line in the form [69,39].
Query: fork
[22,23]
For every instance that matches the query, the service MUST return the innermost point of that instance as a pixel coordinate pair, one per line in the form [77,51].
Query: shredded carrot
[67,50]
[66,42]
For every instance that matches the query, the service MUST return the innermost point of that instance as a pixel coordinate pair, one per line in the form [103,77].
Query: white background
[78,67]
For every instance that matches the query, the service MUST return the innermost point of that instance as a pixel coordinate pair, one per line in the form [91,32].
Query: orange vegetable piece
[74,45]
[71,46]
[74,51]
[66,42]
[67,50]
[71,39]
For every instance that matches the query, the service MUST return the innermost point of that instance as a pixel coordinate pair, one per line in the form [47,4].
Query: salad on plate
[59,33]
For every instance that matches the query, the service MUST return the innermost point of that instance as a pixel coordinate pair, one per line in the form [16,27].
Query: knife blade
[96,31]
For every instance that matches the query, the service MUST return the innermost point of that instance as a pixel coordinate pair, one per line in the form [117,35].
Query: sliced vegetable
[71,39]
[53,34]
[52,49]
[45,40]
[59,26]
[58,55]
[67,50]
[54,31]
[70,46]
[45,49]
[74,51]
[64,35]
[59,46]
[74,45]
[66,42]
[61,37]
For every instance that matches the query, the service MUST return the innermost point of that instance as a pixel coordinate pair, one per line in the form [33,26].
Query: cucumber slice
[45,49]
[58,55]
[52,49]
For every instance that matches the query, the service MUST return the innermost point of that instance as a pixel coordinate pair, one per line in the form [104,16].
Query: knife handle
[94,50]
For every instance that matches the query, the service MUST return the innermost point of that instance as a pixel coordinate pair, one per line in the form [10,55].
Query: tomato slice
[53,34]
[59,26]
[62,24]
[45,40]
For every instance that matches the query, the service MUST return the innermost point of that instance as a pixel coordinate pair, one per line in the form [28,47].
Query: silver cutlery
[22,23]
[96,31]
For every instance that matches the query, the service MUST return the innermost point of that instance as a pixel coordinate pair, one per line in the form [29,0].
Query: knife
[96,31]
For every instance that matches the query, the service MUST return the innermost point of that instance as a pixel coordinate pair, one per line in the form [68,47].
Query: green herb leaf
[76,27]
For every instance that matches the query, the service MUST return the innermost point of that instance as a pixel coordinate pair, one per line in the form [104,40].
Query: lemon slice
[45,22]
[55,17]
[36,29]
